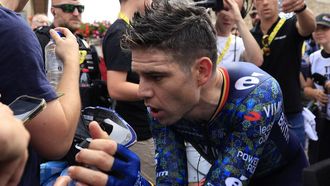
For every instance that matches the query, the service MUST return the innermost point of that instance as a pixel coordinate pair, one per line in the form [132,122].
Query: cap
[323,19]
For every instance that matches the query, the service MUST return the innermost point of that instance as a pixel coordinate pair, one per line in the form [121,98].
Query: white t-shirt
[237,48]
[320,65]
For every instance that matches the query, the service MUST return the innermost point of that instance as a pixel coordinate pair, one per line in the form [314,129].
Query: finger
[62,181]
[96,131]
[54,35]
[66,32]
[87,176]
[95,158]
[107,145]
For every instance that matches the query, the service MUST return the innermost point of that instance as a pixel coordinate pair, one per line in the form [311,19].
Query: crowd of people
[211,103]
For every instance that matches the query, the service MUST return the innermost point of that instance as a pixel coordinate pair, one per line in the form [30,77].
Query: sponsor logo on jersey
[283,123]
[161,174]
[251,160]
[248,82]
[252,116]
[272,109]
[264,132]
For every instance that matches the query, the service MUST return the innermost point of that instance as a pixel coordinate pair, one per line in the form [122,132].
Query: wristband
[301,9]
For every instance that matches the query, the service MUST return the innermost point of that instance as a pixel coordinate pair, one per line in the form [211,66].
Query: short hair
[176,27]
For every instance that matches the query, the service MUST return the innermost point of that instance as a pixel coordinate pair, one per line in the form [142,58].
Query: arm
[14,140]
[252,51]
[317,94]
[59,120]
[118,64]
[306,21]
[119,88]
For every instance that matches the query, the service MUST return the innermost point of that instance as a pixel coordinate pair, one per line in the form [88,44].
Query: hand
[292,5]
[14,139]
[104,157]
[321,97]
[232,6]
[67,48]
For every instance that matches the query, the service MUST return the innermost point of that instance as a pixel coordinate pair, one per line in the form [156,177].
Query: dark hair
[183,30]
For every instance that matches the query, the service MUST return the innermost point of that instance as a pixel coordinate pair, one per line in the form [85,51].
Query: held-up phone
[27,107]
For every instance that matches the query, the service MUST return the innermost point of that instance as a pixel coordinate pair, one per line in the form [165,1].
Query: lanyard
[123,17]
[225,50]
[275,30]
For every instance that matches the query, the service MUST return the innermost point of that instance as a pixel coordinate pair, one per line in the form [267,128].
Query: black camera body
[216,5]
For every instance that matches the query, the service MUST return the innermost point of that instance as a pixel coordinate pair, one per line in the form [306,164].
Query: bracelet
[301,9]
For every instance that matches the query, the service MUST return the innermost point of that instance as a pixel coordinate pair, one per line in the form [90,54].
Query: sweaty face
[70,20]
[169,91]
[266,9]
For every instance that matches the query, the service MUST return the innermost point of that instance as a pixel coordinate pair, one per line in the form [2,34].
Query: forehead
[65,2]
[151,60]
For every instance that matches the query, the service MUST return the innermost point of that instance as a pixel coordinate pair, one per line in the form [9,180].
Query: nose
[75,12]
[145,89]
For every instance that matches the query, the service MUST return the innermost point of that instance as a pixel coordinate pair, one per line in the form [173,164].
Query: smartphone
[27,107]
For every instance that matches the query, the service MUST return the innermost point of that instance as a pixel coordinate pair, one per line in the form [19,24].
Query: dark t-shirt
[284,61]
[117,59]
[22,72]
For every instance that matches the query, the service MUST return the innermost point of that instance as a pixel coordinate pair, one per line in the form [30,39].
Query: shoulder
[315,55]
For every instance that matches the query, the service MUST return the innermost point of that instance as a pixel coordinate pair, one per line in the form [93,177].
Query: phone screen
[26,107]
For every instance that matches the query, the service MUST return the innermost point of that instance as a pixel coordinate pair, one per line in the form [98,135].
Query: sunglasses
[265,45]
[69,8]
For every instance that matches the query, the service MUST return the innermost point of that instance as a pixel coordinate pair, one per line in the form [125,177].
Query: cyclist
[232,115]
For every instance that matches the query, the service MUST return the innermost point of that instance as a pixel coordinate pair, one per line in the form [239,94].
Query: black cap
[323,19]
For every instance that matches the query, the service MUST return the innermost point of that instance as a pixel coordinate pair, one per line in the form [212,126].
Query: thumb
[62,181]
[96,131]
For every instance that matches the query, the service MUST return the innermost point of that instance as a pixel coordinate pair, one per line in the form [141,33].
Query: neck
[9,4]
[209,99]
[265,24]
[128,10]
[224,34]
[326,48]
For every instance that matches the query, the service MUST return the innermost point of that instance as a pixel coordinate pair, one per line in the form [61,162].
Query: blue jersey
[246,139]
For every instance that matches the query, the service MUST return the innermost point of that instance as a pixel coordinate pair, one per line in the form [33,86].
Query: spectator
[123,85]
[232,115]
[281,40]
[319,90]
[233,48]
[39,20]
[23,73]
[14,139]
[68,14]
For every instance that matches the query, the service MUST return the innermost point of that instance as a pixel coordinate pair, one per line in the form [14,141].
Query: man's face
[66,17]
[322,34]
[225,17]
[169,91]
[266,9]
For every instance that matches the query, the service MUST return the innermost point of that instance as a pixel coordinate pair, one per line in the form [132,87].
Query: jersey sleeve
[253,120]
[171,168]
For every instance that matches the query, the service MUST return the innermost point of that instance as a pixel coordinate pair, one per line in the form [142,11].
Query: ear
[52,10]
[203,70]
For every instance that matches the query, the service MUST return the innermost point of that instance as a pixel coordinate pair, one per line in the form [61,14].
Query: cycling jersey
[246,140]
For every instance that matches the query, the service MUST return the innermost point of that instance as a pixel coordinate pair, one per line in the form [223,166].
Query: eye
[156,77]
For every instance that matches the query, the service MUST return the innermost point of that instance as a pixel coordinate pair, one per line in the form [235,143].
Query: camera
[216,5]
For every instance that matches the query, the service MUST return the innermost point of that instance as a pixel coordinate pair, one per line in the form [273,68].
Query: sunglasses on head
[69,8]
